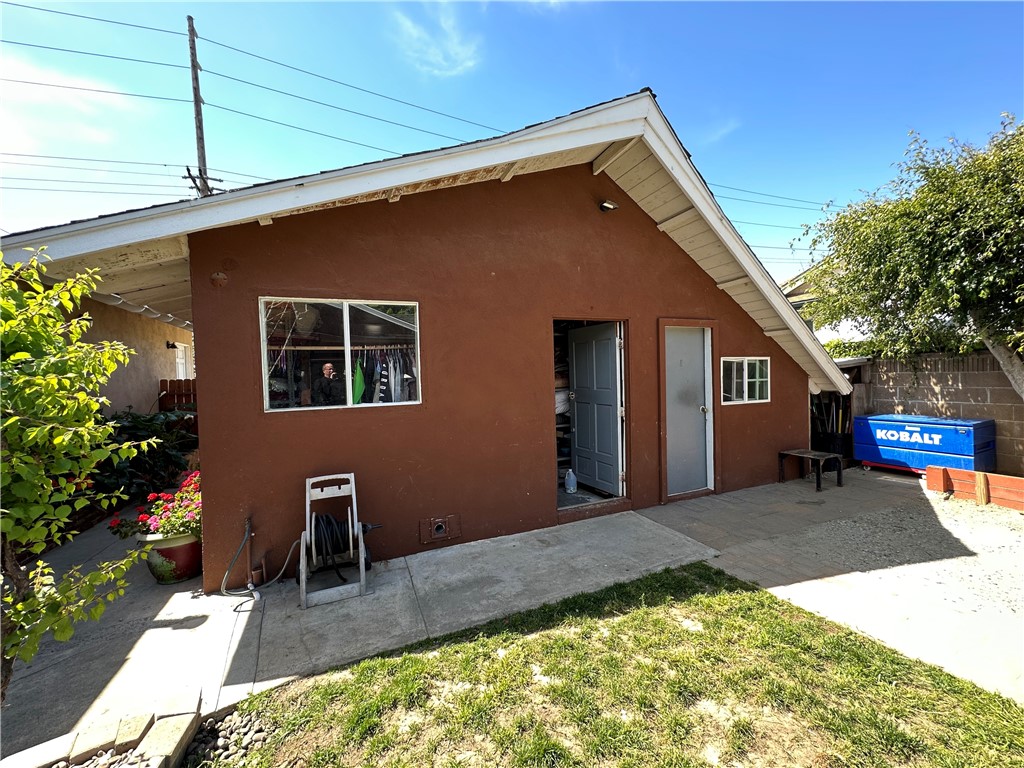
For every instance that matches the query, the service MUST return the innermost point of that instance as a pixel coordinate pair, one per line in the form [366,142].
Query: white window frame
[183,360]
[345,351]
[745,361]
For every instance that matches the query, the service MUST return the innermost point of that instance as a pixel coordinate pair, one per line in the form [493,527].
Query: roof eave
[664,143]
[603,123]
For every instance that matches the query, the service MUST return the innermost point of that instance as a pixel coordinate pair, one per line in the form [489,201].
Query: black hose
[332,537]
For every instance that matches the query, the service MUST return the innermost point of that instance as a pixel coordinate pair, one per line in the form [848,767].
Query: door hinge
[622,477]
[622,414]
[619,342]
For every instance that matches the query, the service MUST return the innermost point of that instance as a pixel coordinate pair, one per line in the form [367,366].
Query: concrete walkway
[159,648]
[941,581]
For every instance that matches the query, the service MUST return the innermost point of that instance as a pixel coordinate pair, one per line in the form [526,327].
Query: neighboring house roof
[143,254]
[797,289]
[852,362]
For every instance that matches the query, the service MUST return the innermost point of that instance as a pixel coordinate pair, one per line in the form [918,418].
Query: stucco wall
[968,387]
[138,383]
[491,265]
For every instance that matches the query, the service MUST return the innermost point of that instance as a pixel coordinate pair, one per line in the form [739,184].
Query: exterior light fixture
[171,345]
[607,205]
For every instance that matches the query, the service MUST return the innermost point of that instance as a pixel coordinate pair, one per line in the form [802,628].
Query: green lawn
[683,668]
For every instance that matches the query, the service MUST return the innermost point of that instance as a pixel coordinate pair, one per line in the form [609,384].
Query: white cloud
[443,50]
[720,131]
[38,120]
[35,116]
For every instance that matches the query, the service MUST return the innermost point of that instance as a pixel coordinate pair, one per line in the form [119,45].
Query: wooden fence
[178,395]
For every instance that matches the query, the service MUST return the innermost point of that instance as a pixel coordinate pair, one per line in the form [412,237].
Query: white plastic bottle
[570,482]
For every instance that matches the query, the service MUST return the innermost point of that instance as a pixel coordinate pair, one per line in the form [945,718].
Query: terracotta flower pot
[173,558]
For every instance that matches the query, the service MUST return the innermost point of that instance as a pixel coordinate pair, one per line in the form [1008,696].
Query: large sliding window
[326,354]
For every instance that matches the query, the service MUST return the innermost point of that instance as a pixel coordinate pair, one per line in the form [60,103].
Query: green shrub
[153,470]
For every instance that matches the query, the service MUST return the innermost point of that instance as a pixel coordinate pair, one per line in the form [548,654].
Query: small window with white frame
[323,353]
[745,380]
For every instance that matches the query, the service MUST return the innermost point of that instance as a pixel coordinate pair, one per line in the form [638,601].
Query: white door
[688,433]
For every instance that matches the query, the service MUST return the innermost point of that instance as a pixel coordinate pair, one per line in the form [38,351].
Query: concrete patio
[940,581]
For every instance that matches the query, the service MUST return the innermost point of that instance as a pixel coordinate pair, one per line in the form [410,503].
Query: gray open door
[595,376]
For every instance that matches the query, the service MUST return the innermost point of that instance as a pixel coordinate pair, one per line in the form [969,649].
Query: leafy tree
[934,260]
[52,436]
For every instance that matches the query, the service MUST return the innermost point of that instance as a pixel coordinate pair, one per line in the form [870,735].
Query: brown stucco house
[567,295]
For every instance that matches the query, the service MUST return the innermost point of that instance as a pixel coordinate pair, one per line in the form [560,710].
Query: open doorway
[590,432]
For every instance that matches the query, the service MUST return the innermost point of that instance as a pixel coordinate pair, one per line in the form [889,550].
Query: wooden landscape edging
[983,487]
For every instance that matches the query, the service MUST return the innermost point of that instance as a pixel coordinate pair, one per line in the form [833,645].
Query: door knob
[703,409]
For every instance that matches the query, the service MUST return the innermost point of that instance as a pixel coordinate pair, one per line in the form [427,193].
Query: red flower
[114,523]
[143,518]
[167,496]
[140,509]
[151,497]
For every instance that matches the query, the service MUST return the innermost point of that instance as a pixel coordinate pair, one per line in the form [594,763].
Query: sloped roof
[143,254]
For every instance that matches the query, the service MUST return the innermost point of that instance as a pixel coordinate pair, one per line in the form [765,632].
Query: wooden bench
[817,458]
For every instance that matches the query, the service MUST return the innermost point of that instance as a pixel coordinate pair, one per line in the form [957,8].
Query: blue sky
[811,101]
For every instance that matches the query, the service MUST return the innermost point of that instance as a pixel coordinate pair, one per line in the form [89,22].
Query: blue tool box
[914,442]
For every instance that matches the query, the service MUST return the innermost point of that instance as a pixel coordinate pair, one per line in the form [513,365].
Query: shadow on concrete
[787,532]
[50,695]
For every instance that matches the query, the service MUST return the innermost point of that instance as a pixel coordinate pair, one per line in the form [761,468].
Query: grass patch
[687,668]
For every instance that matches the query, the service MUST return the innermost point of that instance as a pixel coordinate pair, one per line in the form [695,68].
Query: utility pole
[203,184]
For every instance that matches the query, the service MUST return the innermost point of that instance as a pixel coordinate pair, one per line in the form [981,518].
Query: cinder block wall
[968,387]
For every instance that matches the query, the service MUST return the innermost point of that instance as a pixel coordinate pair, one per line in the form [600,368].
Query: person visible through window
[327,389]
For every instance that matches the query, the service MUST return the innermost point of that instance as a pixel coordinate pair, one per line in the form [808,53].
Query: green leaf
[63,630]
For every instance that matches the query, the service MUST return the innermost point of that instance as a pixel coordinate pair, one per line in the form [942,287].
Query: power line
[349,85]
[94,18]
[98,55]
[91,181]
[333,106]
[214,106]
[109,170]
[126,162]
[765,194]
[314,101]
[782,248]
[239,80]
[304,130]
[762,224]
[94,191]
[268,60]
[95,90]
[763,202]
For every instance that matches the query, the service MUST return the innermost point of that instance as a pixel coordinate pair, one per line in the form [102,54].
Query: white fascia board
[662,141]
[602,124]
